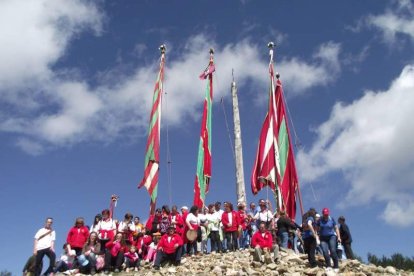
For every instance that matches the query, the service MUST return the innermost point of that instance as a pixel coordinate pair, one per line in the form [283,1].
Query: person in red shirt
[114,255]
[243,219]
[231,226]
[77,236]
[262,242]
[169,248]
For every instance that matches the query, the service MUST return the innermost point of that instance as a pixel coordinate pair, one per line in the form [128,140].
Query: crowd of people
[170,235]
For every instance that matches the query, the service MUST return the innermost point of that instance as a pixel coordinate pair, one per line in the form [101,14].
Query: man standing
[44,244]
[169,248]
[345,237]
[262,242]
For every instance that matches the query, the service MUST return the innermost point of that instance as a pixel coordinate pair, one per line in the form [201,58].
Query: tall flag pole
[267,164]
[289,183]
[203,174]
[152,152]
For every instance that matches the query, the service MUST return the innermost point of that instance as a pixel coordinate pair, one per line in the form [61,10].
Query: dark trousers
[215,241]
[192,245]
[130,263]
[348,251]
[309,245]
[162,257]
[231,240]
[115,261]
[39,259]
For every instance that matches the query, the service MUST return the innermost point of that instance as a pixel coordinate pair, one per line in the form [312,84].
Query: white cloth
[265,216]
[213,221]
[69,257]
[122,227]
[230,216]
[46,241]
[192,219]
[106,225]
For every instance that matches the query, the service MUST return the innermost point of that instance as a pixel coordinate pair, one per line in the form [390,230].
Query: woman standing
[231,226]
[329,234]
[192,223]
[77,236]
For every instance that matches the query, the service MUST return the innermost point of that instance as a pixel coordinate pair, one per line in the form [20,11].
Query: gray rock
[391,270]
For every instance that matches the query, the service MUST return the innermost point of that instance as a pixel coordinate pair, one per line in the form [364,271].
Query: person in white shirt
[44,244]
[213,219]
[127,228]
[265,215]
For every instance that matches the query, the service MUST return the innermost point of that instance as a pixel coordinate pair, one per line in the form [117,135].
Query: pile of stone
[241,263]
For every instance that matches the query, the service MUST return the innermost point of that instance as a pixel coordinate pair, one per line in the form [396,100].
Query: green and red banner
[275,164]
[203,173]
[152,152]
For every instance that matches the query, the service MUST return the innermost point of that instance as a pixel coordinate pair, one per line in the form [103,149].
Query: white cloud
[300,75]
[35,34]
[370,142]
[49,108]
[394,22]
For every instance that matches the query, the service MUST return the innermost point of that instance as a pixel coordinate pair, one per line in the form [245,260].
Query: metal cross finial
[277,75]
[162,48]
[271,45]
[211,51]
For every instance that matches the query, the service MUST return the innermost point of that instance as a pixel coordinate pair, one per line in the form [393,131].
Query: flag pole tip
[211,50]
[277,75]
[271,45]
[162,48]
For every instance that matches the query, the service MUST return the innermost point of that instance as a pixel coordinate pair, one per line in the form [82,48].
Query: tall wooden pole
[241,190]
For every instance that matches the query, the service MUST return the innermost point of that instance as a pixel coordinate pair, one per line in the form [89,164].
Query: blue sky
[76,83]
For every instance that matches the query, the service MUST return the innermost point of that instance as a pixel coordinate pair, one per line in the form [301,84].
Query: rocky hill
[241,263]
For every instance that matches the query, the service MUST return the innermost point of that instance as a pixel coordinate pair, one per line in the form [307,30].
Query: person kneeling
[262,242]
[169,248]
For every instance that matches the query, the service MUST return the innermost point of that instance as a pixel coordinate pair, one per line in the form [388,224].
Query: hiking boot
[156,267]
[93,271]
[116,270]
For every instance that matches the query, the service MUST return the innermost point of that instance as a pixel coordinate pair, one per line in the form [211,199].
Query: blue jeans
[244,240]
[284,238]
[328,244]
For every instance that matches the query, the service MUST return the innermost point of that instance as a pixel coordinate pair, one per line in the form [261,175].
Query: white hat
[184,207]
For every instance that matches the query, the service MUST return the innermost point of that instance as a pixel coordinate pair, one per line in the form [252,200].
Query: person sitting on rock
[132,259]
[169,248]
[262,242]
[114,255]
[77,236]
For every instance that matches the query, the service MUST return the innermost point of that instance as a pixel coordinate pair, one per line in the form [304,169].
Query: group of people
[170,234]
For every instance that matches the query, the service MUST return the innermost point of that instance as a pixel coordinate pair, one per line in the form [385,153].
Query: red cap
[325,211]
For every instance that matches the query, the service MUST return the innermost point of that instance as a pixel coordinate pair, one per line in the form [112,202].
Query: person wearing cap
[329,235]
[262,242]
[169,248]
[264,215]
[152,248]
[346,238]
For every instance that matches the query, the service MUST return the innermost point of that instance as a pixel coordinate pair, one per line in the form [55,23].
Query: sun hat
[82,260]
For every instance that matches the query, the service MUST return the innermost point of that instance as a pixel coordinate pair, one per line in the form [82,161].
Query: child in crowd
[152,248]
[132,259]
[66,259]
